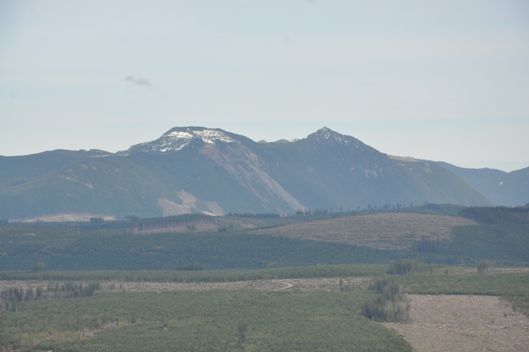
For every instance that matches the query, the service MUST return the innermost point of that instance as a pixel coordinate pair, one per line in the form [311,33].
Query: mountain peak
[208,135]
[325,134]
[179,137]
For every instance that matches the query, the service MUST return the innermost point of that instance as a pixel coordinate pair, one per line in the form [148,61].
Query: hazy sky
[439,80]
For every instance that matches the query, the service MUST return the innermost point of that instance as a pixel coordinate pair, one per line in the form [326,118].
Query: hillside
[505,188]
[380,231]
[211,171]
[198,241]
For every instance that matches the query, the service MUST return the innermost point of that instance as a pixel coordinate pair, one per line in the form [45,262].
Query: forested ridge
[501,236]
[497,215]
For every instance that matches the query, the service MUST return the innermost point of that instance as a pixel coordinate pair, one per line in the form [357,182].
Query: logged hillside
[198,241]
[380,231]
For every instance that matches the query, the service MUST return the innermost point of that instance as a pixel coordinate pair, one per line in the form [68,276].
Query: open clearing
[381,231]
[298,285]
[463,323]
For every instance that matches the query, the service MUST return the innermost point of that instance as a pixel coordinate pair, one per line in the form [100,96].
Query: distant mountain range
[211,171]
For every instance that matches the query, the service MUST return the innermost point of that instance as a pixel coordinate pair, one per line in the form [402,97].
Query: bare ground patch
[299,285]
[463,323]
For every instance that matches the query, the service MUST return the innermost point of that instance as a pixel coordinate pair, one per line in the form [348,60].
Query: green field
[200,321]
[234,319]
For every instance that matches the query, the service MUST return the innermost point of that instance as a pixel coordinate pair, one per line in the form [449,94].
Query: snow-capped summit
[179,137]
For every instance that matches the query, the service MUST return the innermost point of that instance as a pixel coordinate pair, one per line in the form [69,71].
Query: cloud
[139,81]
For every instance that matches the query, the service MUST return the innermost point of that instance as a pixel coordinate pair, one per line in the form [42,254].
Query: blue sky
[438,80]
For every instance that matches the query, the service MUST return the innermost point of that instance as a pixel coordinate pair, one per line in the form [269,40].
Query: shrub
[403,267]
[38,267]
[389,305]
[485,266]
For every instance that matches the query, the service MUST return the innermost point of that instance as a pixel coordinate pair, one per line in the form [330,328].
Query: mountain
[212,171]
[505,188]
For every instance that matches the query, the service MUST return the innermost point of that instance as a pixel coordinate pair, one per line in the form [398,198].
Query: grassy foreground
[233,320]
[240,320]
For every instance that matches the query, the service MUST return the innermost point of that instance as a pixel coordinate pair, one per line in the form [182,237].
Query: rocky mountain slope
[211,171]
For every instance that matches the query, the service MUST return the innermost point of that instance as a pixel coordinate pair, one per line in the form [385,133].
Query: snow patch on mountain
[176,139]
[208,136]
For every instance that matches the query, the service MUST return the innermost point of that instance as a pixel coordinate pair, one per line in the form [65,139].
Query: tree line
[11,297]
[497,215]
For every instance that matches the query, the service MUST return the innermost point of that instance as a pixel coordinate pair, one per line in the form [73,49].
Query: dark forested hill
[192,242]
[211,171]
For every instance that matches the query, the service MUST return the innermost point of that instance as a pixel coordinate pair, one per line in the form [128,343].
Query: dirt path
[463,323]
[286,287]
[326,284]
[319,284]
